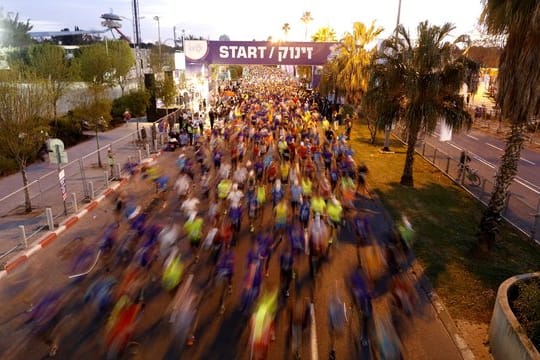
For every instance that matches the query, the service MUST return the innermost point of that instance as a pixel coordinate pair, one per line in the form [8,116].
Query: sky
[244,19]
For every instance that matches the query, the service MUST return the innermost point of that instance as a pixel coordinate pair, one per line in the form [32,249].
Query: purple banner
[259,52]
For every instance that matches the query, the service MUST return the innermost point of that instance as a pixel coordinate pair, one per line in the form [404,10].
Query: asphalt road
[219,336]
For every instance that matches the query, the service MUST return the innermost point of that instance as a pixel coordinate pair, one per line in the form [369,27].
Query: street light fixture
[159,39]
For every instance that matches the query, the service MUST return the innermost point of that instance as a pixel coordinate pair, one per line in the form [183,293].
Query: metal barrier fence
[522,208]
[84,181]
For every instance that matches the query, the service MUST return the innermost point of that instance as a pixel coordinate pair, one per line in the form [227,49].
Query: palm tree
[15,32]
[286,28]
[419,82]
[324,34]
[353,60]
[306,19]
[518,96]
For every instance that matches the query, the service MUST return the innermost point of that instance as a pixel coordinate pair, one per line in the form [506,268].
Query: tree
[15,32]
[24,130]
[96,70]
[306,19]
[518,96]
[165,62]
[286,28]
[328,84]
[353,60]
[419,83]
[95,67]
[49,62]
[166,90]
[324,34]
[122,60]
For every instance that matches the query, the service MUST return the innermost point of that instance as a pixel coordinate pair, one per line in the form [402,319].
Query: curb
[442,312]
[51,236]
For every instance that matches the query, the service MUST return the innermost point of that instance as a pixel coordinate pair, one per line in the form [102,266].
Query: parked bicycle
[471,175]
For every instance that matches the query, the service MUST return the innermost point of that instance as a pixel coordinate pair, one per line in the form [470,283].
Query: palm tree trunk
[387,130]
[27,201]
[407,177]
[492,217]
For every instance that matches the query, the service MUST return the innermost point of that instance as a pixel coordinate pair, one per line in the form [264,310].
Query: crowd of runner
[270,169]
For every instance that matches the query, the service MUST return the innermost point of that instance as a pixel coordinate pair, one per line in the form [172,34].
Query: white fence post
[50,220]
[74,200]
[23,233]
[91,190]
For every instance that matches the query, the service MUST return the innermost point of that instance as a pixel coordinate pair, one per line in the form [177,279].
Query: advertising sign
[259,52]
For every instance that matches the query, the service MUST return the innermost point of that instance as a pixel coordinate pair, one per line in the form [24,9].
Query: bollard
[83,177]
[423,149]
[435,156]
[23,233]
[117,172]
[106,178]
[91,190]
[140,155]
[74,200]
[447,164]
[147,150]
[49,217]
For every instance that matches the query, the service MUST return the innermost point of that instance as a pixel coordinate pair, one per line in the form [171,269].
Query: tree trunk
[27,201]
[492,217]
[407,177]
[387,130]
[98,152]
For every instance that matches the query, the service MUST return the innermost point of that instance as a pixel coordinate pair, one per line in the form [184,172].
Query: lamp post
[159,39]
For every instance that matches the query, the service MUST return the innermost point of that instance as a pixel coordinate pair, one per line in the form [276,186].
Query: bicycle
[470,174]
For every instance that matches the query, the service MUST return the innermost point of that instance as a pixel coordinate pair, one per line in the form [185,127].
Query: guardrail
[522,208]
[84,180]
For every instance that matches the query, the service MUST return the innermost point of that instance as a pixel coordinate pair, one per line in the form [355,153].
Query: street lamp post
[159,39]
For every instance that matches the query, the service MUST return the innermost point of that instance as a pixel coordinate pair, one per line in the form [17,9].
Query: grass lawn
[446,219]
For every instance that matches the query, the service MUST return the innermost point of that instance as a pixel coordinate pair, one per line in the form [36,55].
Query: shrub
[527,308]
[8,166]
[136,101]
[69,130]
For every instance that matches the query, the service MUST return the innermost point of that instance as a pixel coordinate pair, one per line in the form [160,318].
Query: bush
[69,130]
[527,308]
[136,101]
[7,166]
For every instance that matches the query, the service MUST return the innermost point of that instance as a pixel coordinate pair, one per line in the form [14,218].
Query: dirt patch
[476,336]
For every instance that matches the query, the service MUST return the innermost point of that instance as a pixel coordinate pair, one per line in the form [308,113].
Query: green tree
[324,34]
[122,60]
[306,19]
[15,32]
[166,62]
[96,71]
[286,28]
[95,67]
[166,90]
[419,83]
[49,63]
[328,84]
[24,130]
[518,96]
[354,59]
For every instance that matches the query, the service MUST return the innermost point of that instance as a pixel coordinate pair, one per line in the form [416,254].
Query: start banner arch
[258,52]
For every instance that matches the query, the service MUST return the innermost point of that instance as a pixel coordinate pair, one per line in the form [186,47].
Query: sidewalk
[45,192]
